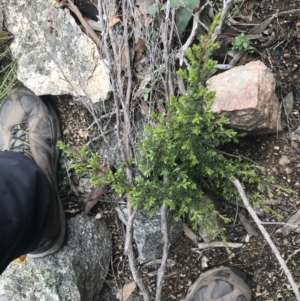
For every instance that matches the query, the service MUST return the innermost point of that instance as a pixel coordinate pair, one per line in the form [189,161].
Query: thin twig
[90,31]
[164,208]
[111,67]
[128,154]
[166,50]
[280,223]
[218,244]
[165,233]
[268,239]
[237,156]
[190,38]
[291,255]
[225,10]
[136,274]
[193,33]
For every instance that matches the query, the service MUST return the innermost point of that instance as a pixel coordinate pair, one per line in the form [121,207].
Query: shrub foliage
[179,160]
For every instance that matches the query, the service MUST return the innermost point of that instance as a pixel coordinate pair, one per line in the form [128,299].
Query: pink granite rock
[246,95]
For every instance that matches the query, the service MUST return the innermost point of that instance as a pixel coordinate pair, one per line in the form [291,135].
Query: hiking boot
[221,284]
[30,126]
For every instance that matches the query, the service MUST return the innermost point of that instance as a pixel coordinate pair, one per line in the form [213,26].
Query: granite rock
[247,96]
[54,56]
[74,273]
[147,234]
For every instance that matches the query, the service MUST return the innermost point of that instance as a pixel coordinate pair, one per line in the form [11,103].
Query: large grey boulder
[74,273]
[147,234]
[54,55]
[246,95]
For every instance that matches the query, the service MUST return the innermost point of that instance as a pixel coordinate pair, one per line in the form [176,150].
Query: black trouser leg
[26,200]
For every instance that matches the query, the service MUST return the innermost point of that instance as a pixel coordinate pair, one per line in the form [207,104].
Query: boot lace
[20,139]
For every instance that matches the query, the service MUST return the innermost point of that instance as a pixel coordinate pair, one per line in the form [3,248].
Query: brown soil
[255,257]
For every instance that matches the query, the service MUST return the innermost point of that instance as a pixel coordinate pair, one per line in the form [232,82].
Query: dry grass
[8,66]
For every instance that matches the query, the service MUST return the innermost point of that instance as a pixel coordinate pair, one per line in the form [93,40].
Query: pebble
[98,216]
[247,238]
[81,133]
[294,144]
[286,55]
[284,160]
[276,147]
[288,170]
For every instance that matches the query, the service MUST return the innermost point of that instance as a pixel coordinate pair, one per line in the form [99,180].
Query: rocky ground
[255,257]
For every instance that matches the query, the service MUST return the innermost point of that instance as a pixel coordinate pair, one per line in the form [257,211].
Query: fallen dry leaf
[189,233]
[246,224]
[145,108]
[94,196]
[262,26]
[124,57]
[113,21]
[125,292]
[139,49]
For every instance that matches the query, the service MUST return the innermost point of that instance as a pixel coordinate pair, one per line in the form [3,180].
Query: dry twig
[218,244]
[165,233]
[90,31]
[226,7]
[128,154]
[268,239]
[117,84]
[164,208]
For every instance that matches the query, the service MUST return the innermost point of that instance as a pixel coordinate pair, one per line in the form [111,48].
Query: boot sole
[236,278]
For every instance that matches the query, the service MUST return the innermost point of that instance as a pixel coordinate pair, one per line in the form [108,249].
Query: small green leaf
[179,3]
[184,14]
[153,9]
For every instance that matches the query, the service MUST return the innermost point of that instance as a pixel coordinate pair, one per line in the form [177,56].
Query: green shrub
[241,43]
[179,160]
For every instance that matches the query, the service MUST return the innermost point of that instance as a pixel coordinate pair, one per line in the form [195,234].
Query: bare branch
[168,86]
[218,244]
[131,258]
[268,239]
[225,10]
[85,24]
[193,33]
[165,233]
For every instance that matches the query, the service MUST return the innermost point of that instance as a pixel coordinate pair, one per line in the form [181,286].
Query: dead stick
[162,268]
[225,10]
[131,257]
[218,244]
[85,24]
[267,238]
[166,52]
[192,35]
[164,208]
[128,154]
